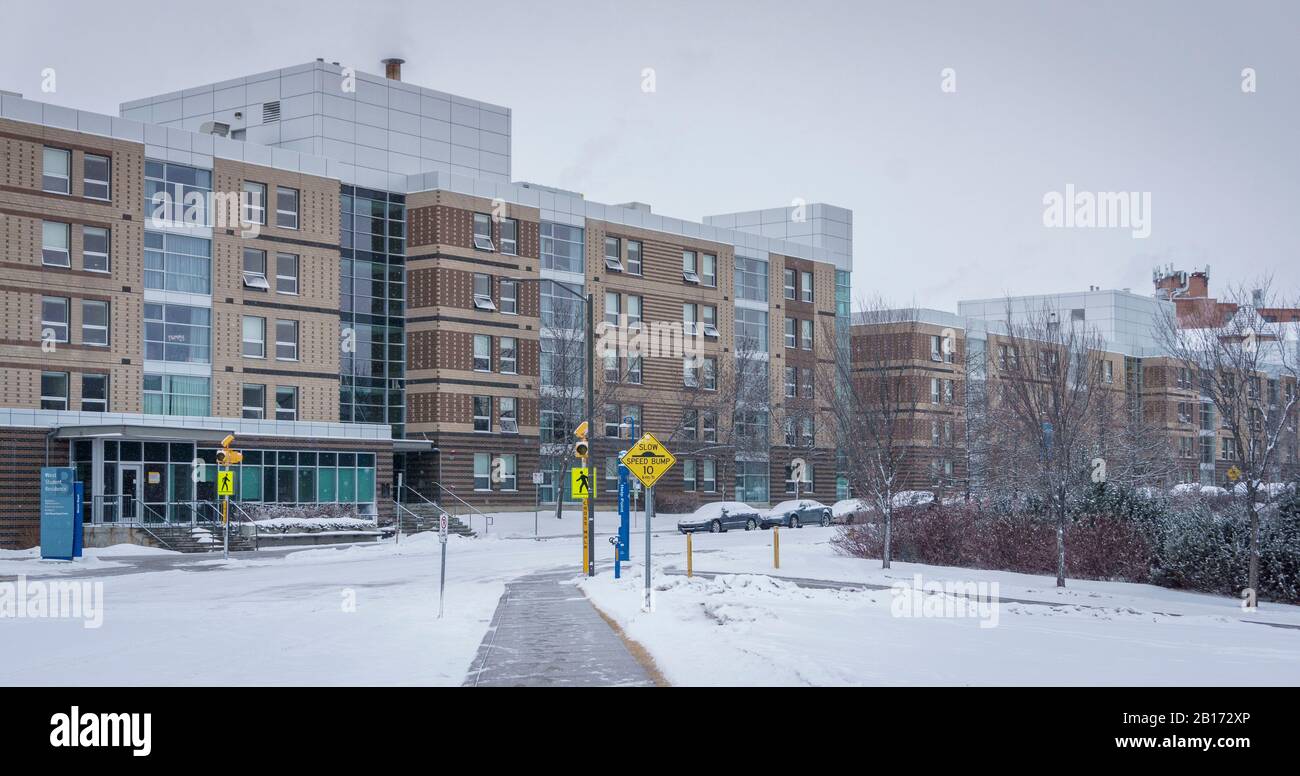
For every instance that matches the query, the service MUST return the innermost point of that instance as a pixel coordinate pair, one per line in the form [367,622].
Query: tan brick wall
[23,207]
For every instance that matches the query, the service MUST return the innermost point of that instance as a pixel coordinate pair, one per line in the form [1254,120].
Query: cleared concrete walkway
[545,633]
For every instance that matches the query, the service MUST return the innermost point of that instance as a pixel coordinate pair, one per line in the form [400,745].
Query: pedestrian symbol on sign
[225,483]
[581,484]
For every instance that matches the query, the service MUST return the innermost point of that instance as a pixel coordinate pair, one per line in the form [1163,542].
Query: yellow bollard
[689,567]
[776,547]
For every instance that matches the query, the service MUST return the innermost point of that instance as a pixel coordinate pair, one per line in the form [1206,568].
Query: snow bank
[912,498]
[314,524]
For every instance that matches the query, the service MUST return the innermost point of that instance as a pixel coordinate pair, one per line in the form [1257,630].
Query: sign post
[537,503]
[443,520]
[225,489]
[583,486]
[648,460]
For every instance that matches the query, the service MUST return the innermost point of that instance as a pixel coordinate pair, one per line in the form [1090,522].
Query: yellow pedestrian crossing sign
[581,483]
[648,460]
[225,483]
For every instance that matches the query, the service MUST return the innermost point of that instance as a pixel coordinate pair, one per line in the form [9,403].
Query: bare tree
[1240,359]
[563,392]
[874,408]
[1048,386]
[1136,452]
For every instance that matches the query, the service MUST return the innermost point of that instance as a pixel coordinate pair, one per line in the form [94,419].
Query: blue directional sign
[624,509]
[58,511]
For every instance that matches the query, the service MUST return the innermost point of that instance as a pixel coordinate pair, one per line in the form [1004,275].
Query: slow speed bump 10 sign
[648,460]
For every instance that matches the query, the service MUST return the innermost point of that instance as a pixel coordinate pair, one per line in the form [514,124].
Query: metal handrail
[236,513]
[487,519]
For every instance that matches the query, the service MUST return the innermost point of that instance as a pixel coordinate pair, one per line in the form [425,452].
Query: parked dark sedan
[797,514]
[720,516]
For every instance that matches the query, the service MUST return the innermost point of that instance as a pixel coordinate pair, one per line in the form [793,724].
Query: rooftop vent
[393,68]
[270,112]
[215,128]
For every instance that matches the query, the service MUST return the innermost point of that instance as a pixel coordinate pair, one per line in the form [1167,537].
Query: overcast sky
[758,103]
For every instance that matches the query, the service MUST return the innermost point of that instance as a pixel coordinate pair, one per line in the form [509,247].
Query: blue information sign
[624,510]
[79,522]
[58,511]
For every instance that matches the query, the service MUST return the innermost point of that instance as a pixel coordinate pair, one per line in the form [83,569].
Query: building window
[709,270]
[482,353]
[634,257]
[789,284]
[286,340]
[613,305]
[634,367]
[254,202]
[709,426]
[710,379]
[286,207]
[94,393]
[1108,371]
[168,187]
[509,297]
[806,330]
[709,320]
[286,273]
[688,475]
[934,390]
[688,318]
[254,336]
[790,340]
[94,322]
[176,395]
[806,430]
[286,402]
[55,167]
[751,330]
[690,372]
[483,413]
[54,318]
[509,229]
[611,365]
[790,436]
[483,232]
[562,247]
[254,272]
[56,237]
[791,382]
[613,254]
[96,177]
[805,382]
[612,421]
[691,425]
[936,347]
[94,249]
[177,333]
[633,311]
[482,471]
[751,279]
[689,268]
[806,280]
[509,355]
[174,262]
[509,480]
[54,390]
[507,415]
[254,398]
[483,292]
[709,478]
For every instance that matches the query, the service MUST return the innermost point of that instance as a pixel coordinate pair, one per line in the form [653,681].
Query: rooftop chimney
[393,68]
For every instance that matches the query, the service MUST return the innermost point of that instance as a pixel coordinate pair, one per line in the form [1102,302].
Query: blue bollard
[618,557]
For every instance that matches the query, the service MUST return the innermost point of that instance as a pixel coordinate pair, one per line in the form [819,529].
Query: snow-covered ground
[748,627]
[366,614]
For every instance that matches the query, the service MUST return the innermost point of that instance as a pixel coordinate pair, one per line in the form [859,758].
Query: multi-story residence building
[1170,399]
[363,294]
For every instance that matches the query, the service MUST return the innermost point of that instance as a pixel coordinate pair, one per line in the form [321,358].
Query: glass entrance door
[129,487]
